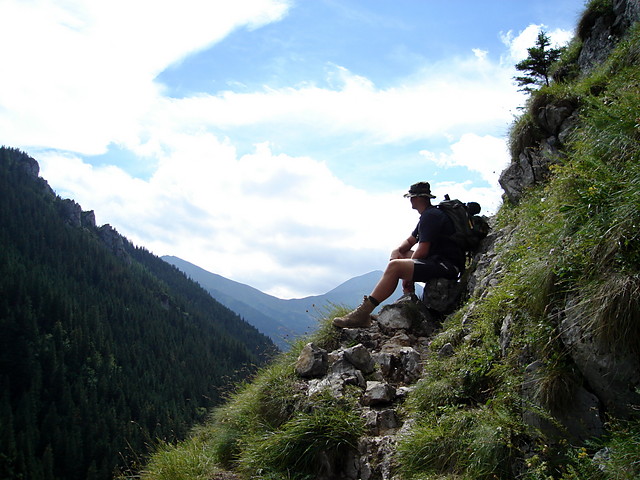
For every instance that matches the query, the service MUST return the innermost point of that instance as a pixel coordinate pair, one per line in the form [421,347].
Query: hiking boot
[360,317]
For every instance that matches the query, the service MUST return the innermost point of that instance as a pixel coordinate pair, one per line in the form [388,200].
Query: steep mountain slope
[104,348]
[282,320]
[537,376]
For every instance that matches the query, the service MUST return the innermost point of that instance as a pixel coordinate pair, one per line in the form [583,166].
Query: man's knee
[400,268]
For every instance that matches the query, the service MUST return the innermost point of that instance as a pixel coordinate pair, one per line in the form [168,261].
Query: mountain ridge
[280,319]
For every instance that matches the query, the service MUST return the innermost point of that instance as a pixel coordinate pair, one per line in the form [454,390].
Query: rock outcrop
[75,216]
[612,373]
[601,31]
[383,361]
[540,146]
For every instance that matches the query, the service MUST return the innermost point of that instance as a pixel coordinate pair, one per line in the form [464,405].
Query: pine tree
[537,65]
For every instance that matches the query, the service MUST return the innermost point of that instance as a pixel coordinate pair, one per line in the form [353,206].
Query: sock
[374,301]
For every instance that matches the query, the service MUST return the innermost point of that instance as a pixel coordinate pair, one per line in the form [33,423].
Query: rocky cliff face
[73,214]
[600,31]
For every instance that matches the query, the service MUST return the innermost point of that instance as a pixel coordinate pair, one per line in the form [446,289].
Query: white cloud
[82,76]
[487,198]
[282,224]
[487,155]
[440,100]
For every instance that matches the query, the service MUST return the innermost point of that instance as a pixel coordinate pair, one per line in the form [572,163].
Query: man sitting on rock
[436,256]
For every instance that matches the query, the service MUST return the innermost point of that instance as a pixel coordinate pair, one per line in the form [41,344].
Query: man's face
[417,203]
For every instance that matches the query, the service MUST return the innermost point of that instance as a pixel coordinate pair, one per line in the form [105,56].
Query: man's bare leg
[401,269]
[408,286]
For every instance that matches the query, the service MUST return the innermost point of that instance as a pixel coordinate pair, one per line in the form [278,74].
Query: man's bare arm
[422,251]
[404,250]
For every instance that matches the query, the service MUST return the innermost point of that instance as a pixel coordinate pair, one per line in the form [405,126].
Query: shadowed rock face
[553,122]
[611,372]
[601,33]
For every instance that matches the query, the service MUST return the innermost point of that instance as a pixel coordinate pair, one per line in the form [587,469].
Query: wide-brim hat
[420,189]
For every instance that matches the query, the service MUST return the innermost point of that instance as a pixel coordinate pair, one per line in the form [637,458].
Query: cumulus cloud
[282,224]
[82,76]
[438,100]
[487,155]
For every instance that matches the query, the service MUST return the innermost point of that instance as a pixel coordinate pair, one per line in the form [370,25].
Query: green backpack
[470,228]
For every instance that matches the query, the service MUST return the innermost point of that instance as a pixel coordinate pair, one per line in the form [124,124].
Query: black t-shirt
[436,227]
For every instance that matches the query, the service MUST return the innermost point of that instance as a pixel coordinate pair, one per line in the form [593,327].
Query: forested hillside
[104,347]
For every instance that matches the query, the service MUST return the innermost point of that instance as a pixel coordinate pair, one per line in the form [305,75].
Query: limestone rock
[442,295]
[399,365]
[380,422]
[369,337]
[312,361]
[601,33]
[408,313]
[113,240]
[72,212]
[612,373]
[378,393]
[411,364]
[376,458]
[446,350]
[579,422]
[335,383]
[88,219]
[530,168]
[400,339]
[391,317]
[551,117]
[360,358]
[505,334]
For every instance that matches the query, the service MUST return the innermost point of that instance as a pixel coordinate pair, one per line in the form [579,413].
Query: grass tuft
[477,443]
[612,311]
[306,443]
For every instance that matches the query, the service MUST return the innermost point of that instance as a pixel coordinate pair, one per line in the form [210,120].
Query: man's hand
[404,250]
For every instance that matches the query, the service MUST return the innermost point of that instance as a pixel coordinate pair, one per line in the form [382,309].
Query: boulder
[335,383]
[378,393]
[360,358]
[380,422]
[442,295]
[408,313]
[312,361]
[391,318]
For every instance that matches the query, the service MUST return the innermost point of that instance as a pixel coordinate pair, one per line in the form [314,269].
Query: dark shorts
[434,267]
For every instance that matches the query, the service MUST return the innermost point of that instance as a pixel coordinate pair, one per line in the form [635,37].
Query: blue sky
[269,141]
